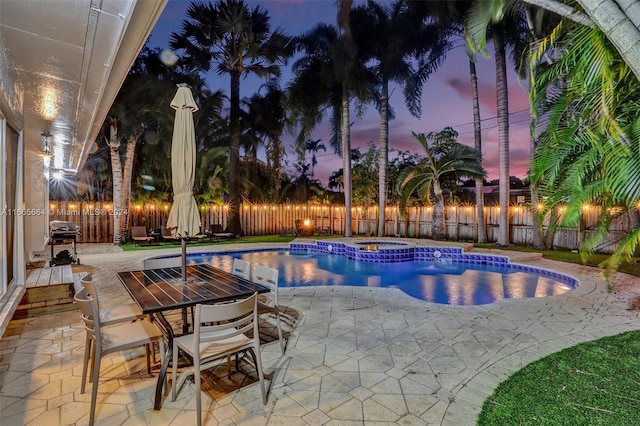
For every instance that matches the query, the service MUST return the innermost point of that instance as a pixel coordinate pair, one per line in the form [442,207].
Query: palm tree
[446,159]
[510,30]
[451,14]
[327,78]
[267,120]
[240,42]
[313,146]
[502,96]
[132,117]
[588,152]
[400,49]
[617,20]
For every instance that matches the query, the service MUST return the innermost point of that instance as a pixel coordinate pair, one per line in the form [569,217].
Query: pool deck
[355,355]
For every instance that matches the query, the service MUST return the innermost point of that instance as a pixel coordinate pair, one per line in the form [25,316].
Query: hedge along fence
[95,221]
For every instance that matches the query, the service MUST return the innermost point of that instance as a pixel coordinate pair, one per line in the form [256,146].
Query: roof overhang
[68,60]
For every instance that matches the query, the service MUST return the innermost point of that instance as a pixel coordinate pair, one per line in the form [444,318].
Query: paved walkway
[355,356]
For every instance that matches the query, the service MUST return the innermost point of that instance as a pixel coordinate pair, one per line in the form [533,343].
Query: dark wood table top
[157,290]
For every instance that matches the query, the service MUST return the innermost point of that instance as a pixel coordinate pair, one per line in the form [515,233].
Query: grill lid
[61,226]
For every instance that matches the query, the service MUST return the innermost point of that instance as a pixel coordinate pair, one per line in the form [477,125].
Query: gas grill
[62,232]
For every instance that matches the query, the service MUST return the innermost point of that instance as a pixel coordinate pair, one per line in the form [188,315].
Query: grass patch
[593,383]
[252,239]
[632,268]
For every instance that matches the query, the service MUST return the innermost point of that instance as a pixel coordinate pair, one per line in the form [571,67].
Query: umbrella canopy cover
[184,218]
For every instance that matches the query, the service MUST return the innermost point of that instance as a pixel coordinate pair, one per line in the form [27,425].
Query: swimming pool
[439,279]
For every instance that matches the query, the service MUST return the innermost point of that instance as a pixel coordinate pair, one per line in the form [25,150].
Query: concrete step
[46,294]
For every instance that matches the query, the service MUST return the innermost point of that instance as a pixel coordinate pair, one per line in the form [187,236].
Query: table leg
[185,322]
[166,327]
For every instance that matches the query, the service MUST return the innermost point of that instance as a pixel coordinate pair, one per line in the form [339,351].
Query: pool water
[452,283]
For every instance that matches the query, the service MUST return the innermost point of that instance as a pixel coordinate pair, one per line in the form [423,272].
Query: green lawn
[253,239]
[632,268]
[593,383]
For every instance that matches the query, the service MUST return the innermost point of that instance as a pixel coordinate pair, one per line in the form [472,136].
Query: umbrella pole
[185,324]
[184,260]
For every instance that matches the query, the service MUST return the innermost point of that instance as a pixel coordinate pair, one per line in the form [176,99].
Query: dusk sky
[446,97]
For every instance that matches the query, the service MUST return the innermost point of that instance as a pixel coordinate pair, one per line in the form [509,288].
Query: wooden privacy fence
[95,221]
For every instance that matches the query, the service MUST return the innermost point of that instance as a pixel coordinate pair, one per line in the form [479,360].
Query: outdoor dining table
[162,289]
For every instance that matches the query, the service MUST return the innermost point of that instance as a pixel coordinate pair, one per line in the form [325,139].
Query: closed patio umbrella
[184,218]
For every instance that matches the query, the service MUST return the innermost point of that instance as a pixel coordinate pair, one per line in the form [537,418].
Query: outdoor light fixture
[46,153]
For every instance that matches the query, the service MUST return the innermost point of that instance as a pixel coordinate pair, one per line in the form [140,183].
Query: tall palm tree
[481,233]
[502,113]
[450,13]
[510,30]
[444,159]
[327,77]
[239,41]
[313,146]
[400,48]
[133,115]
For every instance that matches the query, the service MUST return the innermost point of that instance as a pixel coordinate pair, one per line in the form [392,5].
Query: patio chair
[241,268]
[323,231]
[298,228]
[167,236]
[285,230]
[139,235]
[269,278]
[210,343]
[107,340]
[114,314]
[217,231]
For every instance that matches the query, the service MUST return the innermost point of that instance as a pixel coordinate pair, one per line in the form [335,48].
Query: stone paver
[355,356]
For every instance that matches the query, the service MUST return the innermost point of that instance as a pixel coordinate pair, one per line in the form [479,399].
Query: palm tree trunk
[233,224]
[502,96]
[383,156]
[617,19]
[116,172]
[550,235]
[346,161]
[439,220]
[481,232]
[123,214]
[275,166]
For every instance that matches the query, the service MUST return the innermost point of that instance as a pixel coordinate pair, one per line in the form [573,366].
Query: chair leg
[257,360]
[94,388]
[174,372]
[196,381]
[147,349]
[85,363]
[92,360]
[279,330]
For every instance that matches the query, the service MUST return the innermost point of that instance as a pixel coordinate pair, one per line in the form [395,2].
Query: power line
[410,137]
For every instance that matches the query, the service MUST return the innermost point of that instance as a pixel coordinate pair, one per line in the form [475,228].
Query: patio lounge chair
[323,231]
[139,235]
[167,236]
[286,230]
[216,230]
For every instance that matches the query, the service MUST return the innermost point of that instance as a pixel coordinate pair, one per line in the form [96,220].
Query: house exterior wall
[11,120]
